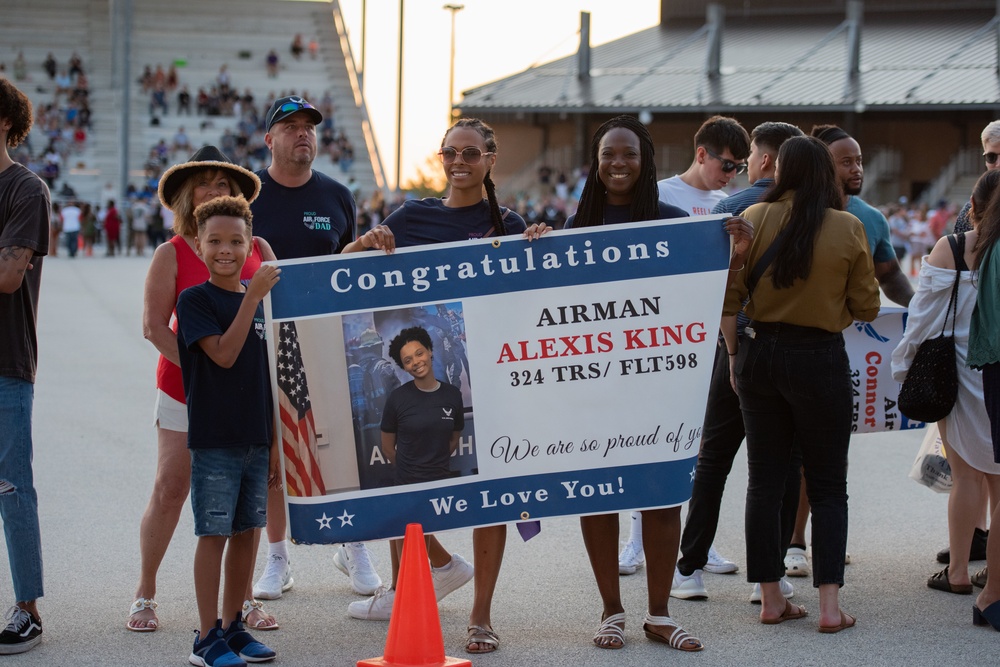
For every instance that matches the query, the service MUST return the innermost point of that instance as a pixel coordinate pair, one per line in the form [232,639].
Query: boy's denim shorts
[229,489]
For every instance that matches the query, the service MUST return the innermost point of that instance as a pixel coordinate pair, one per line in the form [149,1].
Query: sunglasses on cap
[470,155]
[293,104]
[728,165]
[991,158]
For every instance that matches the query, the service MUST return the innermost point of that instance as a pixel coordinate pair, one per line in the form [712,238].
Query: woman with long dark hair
[621,187]
[808,275]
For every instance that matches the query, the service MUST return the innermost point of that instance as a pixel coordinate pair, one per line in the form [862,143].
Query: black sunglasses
[728,165]
[991,158]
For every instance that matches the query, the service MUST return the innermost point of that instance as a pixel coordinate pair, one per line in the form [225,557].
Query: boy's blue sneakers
[244,645]
[213,651]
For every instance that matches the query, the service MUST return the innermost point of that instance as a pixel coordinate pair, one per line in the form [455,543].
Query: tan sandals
[483,637]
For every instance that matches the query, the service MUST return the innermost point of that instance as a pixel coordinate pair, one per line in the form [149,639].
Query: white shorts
[170,414]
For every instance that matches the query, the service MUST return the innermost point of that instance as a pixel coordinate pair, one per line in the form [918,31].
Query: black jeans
[721,438]
[795,392]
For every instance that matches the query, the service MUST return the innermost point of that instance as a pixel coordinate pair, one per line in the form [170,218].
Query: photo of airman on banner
[353,349]
[372,376]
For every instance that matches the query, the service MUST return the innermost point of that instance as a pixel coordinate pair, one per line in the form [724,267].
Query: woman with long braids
[808,276]
[468,153]
[621,187]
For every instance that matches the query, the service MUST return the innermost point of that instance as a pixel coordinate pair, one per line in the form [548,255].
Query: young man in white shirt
[721,148]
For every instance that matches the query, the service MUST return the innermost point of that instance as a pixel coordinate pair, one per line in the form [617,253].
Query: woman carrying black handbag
[965,428]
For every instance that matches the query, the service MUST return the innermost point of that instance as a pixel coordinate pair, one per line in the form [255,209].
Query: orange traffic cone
[415,638]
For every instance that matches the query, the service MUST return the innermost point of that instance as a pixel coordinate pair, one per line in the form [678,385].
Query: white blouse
[967,428]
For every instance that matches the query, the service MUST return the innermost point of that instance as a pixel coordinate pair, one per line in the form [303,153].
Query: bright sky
[493,39]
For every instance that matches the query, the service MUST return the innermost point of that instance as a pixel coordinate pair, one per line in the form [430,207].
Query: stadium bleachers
[198,37]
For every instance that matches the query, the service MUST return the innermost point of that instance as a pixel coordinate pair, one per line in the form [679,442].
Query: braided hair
[489,137]
[645,197]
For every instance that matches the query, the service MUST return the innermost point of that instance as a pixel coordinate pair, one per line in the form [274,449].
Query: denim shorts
[229,489]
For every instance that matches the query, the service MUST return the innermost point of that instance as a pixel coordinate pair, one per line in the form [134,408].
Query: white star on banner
[324,521]
[345,519]
[692,473]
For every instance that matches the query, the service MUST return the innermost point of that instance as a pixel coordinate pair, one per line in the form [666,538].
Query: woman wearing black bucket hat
[175,267]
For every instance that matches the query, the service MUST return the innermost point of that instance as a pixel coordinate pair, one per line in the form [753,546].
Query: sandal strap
[249,605]
[140,604]
[489,637]
[678,636]
[611,629]
[661,620]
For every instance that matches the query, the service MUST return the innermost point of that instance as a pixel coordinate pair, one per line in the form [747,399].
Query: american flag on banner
[298,431]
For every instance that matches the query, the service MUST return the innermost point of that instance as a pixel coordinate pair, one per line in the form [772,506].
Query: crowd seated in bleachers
[62,117]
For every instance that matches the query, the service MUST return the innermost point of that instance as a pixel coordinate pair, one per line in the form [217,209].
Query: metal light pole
[364,35]
[454,9]
[399,100]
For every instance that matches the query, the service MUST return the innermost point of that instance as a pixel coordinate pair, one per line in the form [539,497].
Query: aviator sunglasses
[728,165]
[470,155]
[991,158]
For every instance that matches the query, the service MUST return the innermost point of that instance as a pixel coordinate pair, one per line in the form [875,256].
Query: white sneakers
[376,608]
[786,589]
[631,558]
[277,579]
[355,561]
[688,587]
[452,576]
[446,579]
[719,564]
[796,563]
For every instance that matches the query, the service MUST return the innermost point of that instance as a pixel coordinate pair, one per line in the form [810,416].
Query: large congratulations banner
[583,359]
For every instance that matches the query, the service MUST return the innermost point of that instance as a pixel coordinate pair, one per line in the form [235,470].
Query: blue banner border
[334,521]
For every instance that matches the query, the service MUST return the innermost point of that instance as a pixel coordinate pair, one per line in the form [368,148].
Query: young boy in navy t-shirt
[234,455]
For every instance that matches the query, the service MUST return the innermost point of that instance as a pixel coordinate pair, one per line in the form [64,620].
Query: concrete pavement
[94,463]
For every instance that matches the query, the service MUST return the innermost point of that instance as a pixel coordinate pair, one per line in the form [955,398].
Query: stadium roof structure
[853,62]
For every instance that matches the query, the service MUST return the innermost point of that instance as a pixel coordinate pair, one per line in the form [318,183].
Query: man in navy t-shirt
[301,212]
